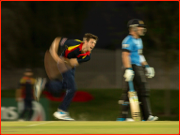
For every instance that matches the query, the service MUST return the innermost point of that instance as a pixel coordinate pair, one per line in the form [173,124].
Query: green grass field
[105,107]
[90,127]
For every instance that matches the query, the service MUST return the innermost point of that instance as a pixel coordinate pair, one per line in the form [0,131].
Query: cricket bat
[134,102]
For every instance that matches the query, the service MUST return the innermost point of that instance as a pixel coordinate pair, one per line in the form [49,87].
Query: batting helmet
[135,23]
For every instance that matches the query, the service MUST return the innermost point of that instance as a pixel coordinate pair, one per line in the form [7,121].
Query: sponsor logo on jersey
[125,45]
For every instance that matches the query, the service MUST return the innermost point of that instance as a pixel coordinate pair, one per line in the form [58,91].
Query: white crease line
[41,123]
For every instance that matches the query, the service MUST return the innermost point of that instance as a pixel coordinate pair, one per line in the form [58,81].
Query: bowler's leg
[55,86]
[68,79]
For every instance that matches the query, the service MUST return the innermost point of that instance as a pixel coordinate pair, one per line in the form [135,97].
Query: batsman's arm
[144,63]
[129,73]
[149,70]
[126,59]
[143,60]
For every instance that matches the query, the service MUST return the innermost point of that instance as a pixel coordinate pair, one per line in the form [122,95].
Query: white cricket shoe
[61,115]
[124,119]
[152,118]
[38,87]
[129,119]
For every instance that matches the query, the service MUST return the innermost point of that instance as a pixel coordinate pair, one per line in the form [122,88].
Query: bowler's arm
[54,49]
[54,52]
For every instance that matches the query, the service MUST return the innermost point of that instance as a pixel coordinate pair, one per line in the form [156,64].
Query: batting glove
[149,71]
[129,74]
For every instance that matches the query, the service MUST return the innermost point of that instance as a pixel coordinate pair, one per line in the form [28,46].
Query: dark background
[28,28]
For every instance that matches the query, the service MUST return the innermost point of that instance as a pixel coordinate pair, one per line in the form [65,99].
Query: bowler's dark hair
[88,36]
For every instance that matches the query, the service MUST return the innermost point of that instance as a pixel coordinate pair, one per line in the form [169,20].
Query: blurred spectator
[25,93]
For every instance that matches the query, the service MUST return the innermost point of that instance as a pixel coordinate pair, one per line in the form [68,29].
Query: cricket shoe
[124,119]
[61,115]
[152,118]
[38,87]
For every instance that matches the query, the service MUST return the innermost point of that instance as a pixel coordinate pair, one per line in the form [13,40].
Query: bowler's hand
[71,62]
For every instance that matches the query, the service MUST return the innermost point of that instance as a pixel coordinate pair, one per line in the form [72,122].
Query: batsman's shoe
[38,87]
[61,115]
[152,118]
[124,119]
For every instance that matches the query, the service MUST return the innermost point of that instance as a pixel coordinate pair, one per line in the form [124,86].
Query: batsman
[134,64]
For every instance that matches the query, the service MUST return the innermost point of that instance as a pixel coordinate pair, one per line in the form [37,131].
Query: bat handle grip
[131,86]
